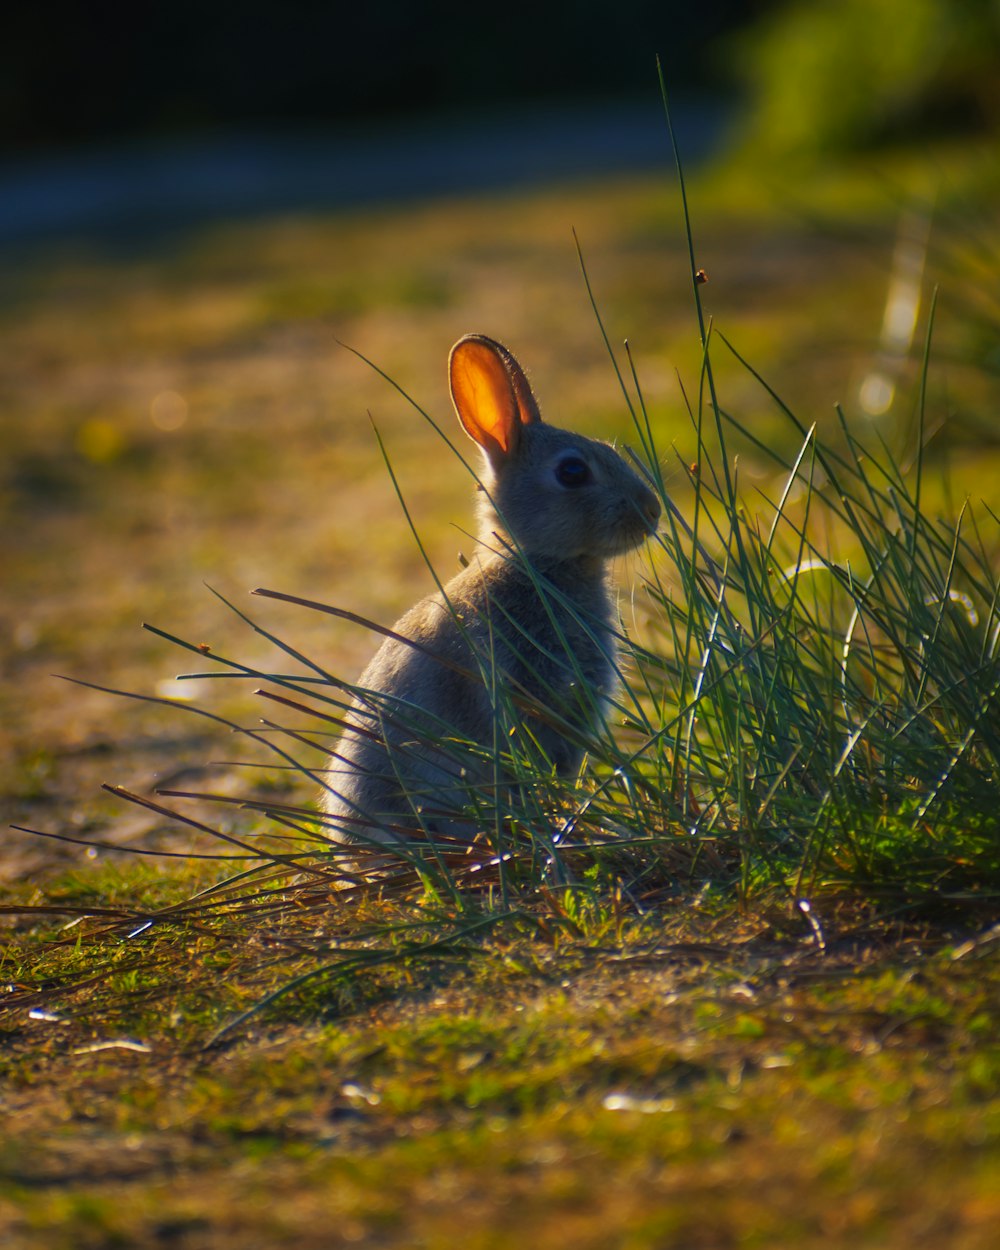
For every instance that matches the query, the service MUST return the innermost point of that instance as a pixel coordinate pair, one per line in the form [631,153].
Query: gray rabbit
[517,653]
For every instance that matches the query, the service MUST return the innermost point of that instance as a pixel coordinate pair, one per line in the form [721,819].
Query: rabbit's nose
[651,510]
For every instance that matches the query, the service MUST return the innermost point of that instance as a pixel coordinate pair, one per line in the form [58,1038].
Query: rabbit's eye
[572,471]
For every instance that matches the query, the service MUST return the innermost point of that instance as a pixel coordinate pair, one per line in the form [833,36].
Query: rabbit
[521,642]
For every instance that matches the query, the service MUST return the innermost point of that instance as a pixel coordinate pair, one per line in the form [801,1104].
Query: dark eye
[571,471]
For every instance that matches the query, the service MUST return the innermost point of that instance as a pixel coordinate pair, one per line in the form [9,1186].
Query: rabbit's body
[520,643]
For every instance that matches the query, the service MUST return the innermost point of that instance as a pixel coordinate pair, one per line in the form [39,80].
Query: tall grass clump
[821,688]
[822,685]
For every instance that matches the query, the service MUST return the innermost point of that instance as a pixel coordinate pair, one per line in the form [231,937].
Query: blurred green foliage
[833,76]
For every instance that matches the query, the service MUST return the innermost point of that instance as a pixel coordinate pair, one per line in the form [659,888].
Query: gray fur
[521,641]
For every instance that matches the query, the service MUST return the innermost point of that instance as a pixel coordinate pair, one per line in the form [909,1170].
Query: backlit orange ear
[483,393]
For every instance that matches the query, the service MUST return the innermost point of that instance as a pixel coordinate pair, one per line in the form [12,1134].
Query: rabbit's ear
[491,394]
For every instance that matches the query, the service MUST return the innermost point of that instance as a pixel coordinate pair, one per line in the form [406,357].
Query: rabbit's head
[554,493]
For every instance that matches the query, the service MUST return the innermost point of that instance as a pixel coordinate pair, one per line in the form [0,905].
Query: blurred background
[183,111]
[200,204]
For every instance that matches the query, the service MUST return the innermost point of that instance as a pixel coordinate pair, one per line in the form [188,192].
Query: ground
[702,1077]
[720,1085]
